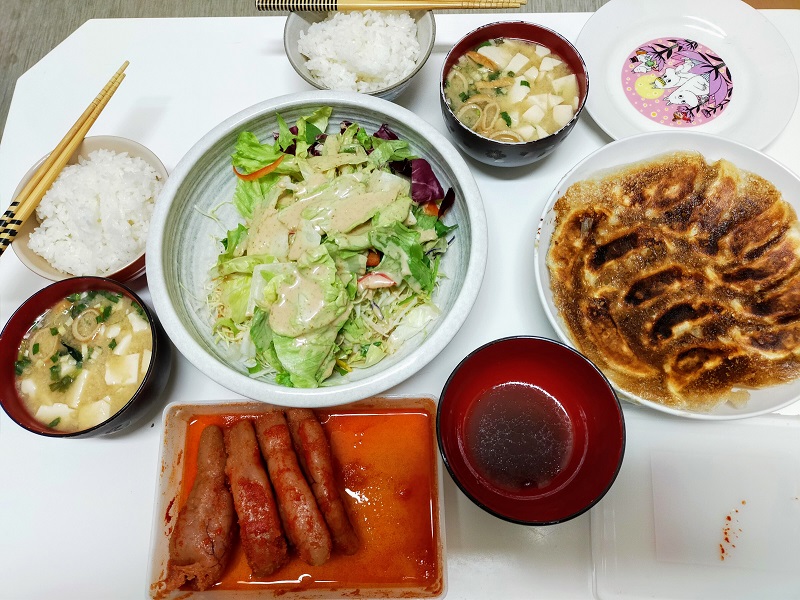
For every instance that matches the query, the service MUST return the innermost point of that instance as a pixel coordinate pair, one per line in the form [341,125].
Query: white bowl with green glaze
[183,246]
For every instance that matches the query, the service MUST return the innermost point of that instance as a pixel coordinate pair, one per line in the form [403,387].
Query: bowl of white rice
[95,217]
[371,52]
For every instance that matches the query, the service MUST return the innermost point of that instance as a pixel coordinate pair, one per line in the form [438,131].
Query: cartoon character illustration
[682,115]
[693,81]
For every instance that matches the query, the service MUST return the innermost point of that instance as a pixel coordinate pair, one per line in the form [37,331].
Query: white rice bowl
[361,51]
[95,217]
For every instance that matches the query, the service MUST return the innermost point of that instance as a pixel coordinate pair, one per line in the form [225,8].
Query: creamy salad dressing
[291,286]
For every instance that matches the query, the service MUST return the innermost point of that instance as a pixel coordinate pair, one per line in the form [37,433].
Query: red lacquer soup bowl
[142,402]
[530,430]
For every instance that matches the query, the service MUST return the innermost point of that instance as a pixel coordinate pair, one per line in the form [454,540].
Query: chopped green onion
[20,365]
[511,73]
[74,297]
[54,422]
[55,372]
[506,118]
[62,384]
[112,297]
[54,331]
[139,310]
[464,96]
[525,83]
[77,309]
[494,75]
[104,314]
[113,344]
[89,352]
[35,348]
[486,43]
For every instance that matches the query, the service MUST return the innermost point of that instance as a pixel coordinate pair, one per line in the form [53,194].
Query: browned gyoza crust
[680,279]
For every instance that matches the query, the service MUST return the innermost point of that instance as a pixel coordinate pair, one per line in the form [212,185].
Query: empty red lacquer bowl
[530,430]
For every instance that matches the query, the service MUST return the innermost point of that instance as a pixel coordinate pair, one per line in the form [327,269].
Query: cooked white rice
[95,216]
[361,51]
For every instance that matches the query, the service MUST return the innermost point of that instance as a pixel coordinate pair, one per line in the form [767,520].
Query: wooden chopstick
[343,5]
[28,199]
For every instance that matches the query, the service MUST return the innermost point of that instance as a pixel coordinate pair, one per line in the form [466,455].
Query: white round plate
[759,69]
[641,147]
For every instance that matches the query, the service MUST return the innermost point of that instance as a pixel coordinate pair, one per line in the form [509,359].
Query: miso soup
[512,91]
[83,359]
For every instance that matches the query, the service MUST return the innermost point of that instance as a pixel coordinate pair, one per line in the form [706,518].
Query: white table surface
[75,515]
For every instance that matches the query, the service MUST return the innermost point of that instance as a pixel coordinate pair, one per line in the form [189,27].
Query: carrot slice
[261,172]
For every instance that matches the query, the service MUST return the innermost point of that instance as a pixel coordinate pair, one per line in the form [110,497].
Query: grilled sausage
[304,524]
[259,523]
[314,454]
[201,542]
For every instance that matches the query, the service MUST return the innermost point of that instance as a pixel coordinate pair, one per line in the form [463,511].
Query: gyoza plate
[740,81]
[642,147]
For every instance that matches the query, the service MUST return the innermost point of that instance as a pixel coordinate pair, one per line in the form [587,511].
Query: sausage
[314,454]
[305,527]
[201,542]
[259,523]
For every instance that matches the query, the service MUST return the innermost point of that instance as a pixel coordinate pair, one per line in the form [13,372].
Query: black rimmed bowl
[20,322]
[501,153]
[530,430]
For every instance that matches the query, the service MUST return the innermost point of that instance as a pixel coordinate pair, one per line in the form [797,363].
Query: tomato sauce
[386,464]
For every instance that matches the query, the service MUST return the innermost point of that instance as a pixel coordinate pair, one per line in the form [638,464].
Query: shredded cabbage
[336,260]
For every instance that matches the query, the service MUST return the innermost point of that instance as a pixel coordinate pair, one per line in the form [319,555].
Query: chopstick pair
[342,5]
[28,199]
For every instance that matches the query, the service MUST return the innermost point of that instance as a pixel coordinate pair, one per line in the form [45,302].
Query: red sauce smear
[730,533]
[386,462]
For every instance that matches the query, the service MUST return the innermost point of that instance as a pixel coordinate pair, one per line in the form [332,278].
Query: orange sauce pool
[385,462]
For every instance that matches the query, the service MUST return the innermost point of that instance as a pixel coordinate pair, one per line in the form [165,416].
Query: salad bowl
[197,208]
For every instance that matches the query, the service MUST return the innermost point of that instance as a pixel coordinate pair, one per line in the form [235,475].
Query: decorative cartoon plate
[717,66]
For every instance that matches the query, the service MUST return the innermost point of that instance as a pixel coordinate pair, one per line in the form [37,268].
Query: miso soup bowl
[511,154]
[140,404]
[586,437]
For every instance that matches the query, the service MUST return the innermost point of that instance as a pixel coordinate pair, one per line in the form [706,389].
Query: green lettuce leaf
[250,155]
[235,293]
[249,194]
[401,244]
